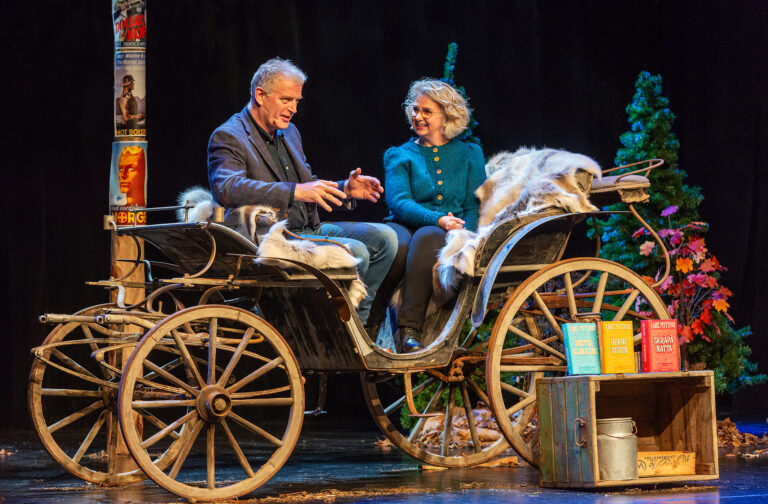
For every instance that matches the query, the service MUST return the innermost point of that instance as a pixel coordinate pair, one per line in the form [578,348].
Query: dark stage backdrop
[555,74]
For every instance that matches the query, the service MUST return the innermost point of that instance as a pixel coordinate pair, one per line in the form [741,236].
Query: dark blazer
[241,170]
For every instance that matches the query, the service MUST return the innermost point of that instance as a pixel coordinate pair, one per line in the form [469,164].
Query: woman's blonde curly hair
[454,106]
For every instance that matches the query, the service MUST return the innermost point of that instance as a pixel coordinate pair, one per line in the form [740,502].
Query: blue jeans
[374,244]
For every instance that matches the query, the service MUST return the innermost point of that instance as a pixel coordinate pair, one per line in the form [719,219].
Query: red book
[661,351]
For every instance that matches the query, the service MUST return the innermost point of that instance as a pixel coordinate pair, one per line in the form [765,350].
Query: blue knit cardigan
[423,184]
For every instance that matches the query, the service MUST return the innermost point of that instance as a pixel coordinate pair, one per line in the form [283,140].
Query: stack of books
[609,348]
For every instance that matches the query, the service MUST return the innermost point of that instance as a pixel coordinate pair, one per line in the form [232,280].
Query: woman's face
[427,120]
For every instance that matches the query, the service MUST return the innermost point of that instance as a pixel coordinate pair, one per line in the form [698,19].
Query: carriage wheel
[241,417]
[73,404]
[527,339]
[471,438]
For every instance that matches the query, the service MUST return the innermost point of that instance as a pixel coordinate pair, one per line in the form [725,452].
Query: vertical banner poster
[129,19]
[128,183]
[130,94]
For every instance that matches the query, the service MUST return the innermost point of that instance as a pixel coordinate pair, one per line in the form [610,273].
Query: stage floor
[346,466]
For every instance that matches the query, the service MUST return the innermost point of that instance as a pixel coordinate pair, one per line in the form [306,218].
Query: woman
[430,181]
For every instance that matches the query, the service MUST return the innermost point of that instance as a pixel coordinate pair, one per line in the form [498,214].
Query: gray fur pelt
[519,183]
[249,219]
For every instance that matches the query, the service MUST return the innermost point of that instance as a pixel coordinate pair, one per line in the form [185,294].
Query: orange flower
[685,335]
[683,265]
[697,327]
[646,248]
[721,305]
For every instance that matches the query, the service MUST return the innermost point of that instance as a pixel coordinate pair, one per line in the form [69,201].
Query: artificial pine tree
[448,72]
[650,136]
[709,336]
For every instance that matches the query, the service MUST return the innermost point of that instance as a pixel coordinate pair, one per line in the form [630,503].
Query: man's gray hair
[274,69]
[452,104]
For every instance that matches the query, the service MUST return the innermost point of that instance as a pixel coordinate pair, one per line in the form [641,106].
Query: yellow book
[617,352]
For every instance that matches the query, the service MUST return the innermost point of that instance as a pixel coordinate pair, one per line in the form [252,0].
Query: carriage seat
[619,189]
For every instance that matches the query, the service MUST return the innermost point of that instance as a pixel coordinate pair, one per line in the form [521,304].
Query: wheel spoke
[600,292]
[448,422]
[256,374]
[213,329]
[255,429]
[420,422]
[188,361]
[479,392]
[210,455]
[514,390]
[77,415]
[168,367]
[521,404]
[69,362]
[470,419]
[196,427]
[548,314]
[236,357]
[276,401]
[418,388]
[90,437]
[168,376]
[259,393]
[149,417]
[569,293]
[170,403]
[168,429]
[71,393]
[238,452]
[536,342]
[627,304]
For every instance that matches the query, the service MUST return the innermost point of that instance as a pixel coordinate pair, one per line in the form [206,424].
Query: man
[256,157]
[128,104]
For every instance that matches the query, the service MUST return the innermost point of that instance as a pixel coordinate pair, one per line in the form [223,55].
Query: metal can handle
[579,425]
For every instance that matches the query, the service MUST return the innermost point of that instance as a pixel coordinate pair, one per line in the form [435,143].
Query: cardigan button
[439,197]
[434,150]
[437,158]
[439,182]
[439,172]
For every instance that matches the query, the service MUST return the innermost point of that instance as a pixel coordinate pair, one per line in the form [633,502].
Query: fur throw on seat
[520,183]
[251,220]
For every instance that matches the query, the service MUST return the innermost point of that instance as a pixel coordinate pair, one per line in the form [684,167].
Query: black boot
[406,340]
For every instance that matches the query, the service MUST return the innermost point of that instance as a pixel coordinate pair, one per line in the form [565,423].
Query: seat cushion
[609,190]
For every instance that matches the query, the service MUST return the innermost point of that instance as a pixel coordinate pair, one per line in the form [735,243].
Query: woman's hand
[449,222]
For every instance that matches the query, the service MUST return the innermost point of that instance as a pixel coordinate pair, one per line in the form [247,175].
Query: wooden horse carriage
[206,371]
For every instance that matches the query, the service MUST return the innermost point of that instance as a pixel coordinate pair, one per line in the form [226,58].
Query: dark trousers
[423,245]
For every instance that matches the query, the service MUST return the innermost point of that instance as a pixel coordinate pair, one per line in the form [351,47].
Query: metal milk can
[617,448]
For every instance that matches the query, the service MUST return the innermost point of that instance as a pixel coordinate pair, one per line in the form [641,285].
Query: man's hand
[449,222]
[361,186]
[319,191]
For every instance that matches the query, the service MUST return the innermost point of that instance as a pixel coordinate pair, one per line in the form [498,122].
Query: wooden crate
[673,412]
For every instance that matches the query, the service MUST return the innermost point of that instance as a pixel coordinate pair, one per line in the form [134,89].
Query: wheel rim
[216,393]
[536,311]
[67,385]
[470,436]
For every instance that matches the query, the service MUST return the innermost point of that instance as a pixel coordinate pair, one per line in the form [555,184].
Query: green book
[581,348]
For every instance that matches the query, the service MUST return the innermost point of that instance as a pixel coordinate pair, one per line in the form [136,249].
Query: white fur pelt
[519,183]
[276,244]
[248,219]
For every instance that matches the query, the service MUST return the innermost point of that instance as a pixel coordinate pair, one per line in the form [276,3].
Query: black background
[550,73]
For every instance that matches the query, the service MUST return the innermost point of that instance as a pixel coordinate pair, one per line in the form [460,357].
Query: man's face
[130,170]
[279,105]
